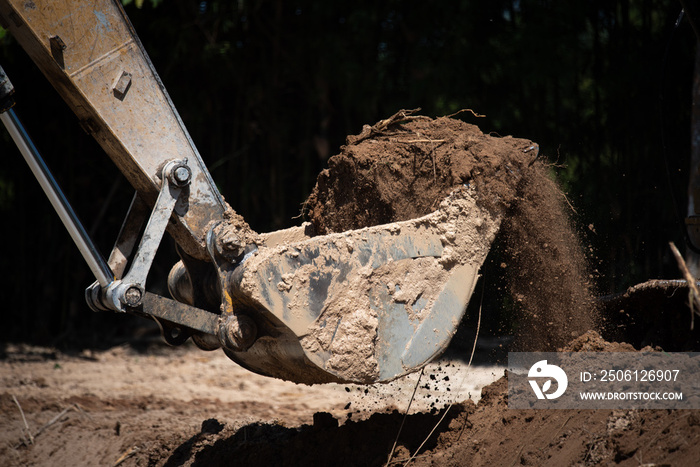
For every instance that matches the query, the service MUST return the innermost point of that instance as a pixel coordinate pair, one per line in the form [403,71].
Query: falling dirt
[404,166]
[546,268]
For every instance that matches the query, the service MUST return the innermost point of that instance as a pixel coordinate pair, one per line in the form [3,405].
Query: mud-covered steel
[155,228]
[70,220]
[7,91]
[270,292]
[180,314]
[128,236]
[363,306]
[90,53]
[371,249]
[402,344]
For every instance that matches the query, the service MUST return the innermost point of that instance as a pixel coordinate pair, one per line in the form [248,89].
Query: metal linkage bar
[130,290]
[170,191]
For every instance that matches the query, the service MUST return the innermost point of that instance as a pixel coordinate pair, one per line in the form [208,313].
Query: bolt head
[182,175]
[231,241]
[132,296]
[229,245]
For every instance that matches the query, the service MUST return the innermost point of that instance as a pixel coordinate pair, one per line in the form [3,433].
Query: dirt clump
[403,167]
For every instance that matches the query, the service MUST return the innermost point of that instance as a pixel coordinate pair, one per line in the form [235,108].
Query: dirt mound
[593,342]
[492,434]
[403,167]
[653,313]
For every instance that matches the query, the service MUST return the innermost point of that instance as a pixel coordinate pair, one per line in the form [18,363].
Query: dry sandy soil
[179,406]
[183,406]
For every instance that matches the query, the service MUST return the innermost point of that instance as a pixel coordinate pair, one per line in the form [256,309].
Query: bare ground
[182,406]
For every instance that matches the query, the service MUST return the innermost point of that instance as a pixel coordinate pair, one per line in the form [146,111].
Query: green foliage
[139,3]
[6,38]
[7,193]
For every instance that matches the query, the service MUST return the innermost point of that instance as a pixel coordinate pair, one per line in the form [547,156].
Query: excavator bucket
[362,306]
[366,305]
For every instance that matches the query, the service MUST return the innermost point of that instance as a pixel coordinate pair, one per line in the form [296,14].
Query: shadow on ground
[366,442]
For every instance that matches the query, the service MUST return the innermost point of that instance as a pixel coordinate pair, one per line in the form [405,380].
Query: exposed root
[465,110]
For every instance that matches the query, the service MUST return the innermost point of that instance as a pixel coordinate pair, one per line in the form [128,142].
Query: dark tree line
[270,89]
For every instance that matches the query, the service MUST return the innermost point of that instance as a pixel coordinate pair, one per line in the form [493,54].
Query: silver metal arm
[92,256]
[91,54]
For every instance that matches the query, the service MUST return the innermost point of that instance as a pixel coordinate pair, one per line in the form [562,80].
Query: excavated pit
[403,167]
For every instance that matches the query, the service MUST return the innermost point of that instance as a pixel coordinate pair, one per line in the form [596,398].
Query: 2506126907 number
[638,375]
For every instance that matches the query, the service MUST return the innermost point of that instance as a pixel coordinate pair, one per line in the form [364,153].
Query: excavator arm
[90,53]
[362,306]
